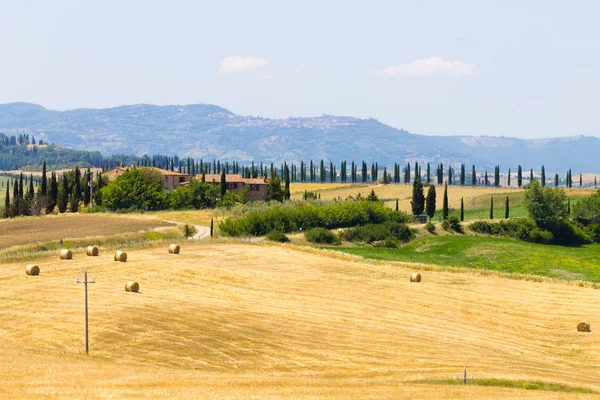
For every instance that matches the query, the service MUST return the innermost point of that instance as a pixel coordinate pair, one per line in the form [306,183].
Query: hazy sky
[514,68]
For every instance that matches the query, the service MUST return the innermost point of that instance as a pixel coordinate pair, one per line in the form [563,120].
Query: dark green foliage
[430,227]
[452,223]
[322,236]
[370,233]
[508,177]
[543,176]
[292,216]
[136,188]
[211,227]
[277,236]
[527,230]
[223,184]
[462,174]
[445,204]
[506,208]
[492,208]
[189,230]
[473,177]
[73,203]
[418,199]
[7,201]
[519,176]
[396,204]
[372,196]
[63,196]
[430,202]
[44,187]
[546,206]
[462,209]
[276,193]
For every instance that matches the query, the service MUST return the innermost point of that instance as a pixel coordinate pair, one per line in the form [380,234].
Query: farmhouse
[259,188]
[171,179]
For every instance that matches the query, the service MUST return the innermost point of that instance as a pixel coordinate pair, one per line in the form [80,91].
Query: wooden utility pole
[85,283]
[464,378]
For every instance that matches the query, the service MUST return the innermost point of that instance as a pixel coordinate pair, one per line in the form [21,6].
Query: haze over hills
[209,131]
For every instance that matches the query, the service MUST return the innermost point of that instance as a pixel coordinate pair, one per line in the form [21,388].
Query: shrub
[398,232]
[454,224]
[526,229]
[430,227]
[277,236]
[293,215]
[321,236]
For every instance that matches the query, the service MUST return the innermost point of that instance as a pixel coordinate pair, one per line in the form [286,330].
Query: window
[254,188]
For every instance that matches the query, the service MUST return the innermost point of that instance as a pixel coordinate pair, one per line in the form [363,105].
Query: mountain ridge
[210,131]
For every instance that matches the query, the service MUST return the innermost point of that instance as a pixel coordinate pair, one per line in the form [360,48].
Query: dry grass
[233,320]
[195,217]
[25,230]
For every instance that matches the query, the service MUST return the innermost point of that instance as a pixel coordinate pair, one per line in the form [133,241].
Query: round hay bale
[583,327]
[92,251]
[66,254]
[120,256]
[32,270]
[132,286]
[174,249]
[415,277]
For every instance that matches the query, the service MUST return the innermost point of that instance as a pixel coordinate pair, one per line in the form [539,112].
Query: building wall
[261,193]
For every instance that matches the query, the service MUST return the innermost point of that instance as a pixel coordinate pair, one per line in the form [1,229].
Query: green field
[492,253]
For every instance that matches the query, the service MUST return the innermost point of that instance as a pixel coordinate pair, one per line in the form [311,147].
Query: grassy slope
[499,254]
[235,321]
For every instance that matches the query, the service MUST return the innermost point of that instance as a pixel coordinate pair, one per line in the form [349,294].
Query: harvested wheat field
[24,230]
[234,320]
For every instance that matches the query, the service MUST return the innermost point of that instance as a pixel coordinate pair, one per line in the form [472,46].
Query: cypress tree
[14,209]
[418,199]
[364,172]
[555,180]
[486,178]
[430,202]
[519,177]
[407,181]
[445,204]
[223,185]
[77,188]
[595,182]
[492,209]
[30,191]
[580,180]
[62,196]
[211,227]
[73,203]
[52,194]
[428,174]
[543,177]
[44,189]
[508,184]
[287,193]
[7,200]
[449,174]
[569,206]
[531,175]
[462,174]
[473,177]
[506,208]
[396,204]
[462,209]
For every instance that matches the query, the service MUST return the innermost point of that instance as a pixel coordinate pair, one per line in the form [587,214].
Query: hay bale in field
[120,256]
[92,251]
[583,327]
[32,270]
[415,277]
[132,286]
[174,249]
[66,254]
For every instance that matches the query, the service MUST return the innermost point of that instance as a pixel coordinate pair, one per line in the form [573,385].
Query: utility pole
[464,378]
[85,283]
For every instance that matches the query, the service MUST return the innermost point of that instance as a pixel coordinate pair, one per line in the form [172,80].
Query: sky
[526,69]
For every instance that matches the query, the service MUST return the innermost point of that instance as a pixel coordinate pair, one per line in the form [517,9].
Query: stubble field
[234,320]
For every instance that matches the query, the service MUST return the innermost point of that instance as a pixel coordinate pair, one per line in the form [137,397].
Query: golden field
[31,230]
[232,320]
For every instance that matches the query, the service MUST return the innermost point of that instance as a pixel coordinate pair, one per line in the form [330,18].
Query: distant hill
[212,132]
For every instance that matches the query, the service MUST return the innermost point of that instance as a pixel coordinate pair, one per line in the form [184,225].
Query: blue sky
[514,68]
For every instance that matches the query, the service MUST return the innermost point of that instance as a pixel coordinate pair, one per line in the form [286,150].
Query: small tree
[7,200]
[492,209]
[430,202]
[462,210]
[396,204]
[445,203]
[418,199]
[506,208]
[189,230]
[547,207]
[372,196]
[211,227]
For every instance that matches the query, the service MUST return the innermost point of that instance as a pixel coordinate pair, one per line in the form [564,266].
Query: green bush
[526,229]
[377,232]
[277,236]
[454,224]
[430,227]
[292,216]
[321,236]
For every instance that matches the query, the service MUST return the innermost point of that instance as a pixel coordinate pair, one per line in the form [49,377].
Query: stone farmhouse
[171,179]
[259,187]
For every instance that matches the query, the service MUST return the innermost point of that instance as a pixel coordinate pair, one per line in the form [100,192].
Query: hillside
[286,323]
[208,131]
